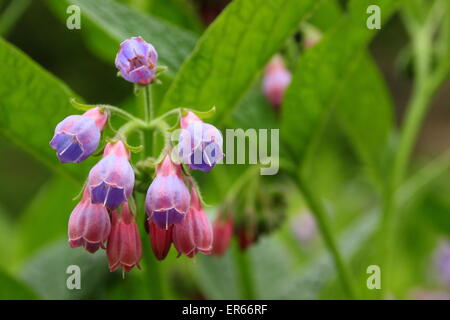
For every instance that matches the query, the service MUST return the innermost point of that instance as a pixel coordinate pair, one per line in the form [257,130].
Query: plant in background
[276,79]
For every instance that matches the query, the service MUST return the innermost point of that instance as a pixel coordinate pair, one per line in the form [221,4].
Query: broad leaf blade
[322,73]
[45,219]
[365,111]
[46,272]
[231,52]
[120,22]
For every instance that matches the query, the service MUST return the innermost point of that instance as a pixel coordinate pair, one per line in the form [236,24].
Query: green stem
[316,207]
[148,103]
[243,265]
[129,127]
[155,273]
[123,113]
[414,117]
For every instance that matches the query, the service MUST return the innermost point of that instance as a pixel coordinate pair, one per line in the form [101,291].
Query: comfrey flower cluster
[105,217]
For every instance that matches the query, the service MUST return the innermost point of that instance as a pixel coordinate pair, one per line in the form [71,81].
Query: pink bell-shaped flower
[160,239]
[168,198]
[89,225]
[111,180]
[124,245]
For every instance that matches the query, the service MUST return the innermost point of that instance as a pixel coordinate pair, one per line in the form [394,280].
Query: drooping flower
[222,231]
[136,60]
[77,136]
[200,144]
[168,198]
[194,234]
[89,225]
[111,180]
[276,79]
[160,239]
[442,262]
[124,245]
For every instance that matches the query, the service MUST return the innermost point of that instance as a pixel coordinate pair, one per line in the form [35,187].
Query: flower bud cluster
[105,216]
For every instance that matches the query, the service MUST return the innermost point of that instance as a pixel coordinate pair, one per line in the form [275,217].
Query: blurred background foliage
[342,167]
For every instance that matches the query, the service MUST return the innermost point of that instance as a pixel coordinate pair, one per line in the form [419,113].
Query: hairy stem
[152,265]
[148,103]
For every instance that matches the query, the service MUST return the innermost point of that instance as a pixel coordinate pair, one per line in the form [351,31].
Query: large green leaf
[13,289]
[233,49]
[46,271]
[118,22]
[323,72]
[45,219]
[32,102]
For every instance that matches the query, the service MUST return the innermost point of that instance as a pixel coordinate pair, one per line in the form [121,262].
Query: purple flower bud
[168,198]
[276,79]
[136,60]
[89,225]
[200,144]
[111,180]
[77,136]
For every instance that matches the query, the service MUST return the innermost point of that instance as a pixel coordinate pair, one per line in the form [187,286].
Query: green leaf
[254,111]
[363,96]
[232,51]
[46,272]
[13,289]
[321,74]
[45,220]
[119,22]
[33,102]
[217,277]
[179,12]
